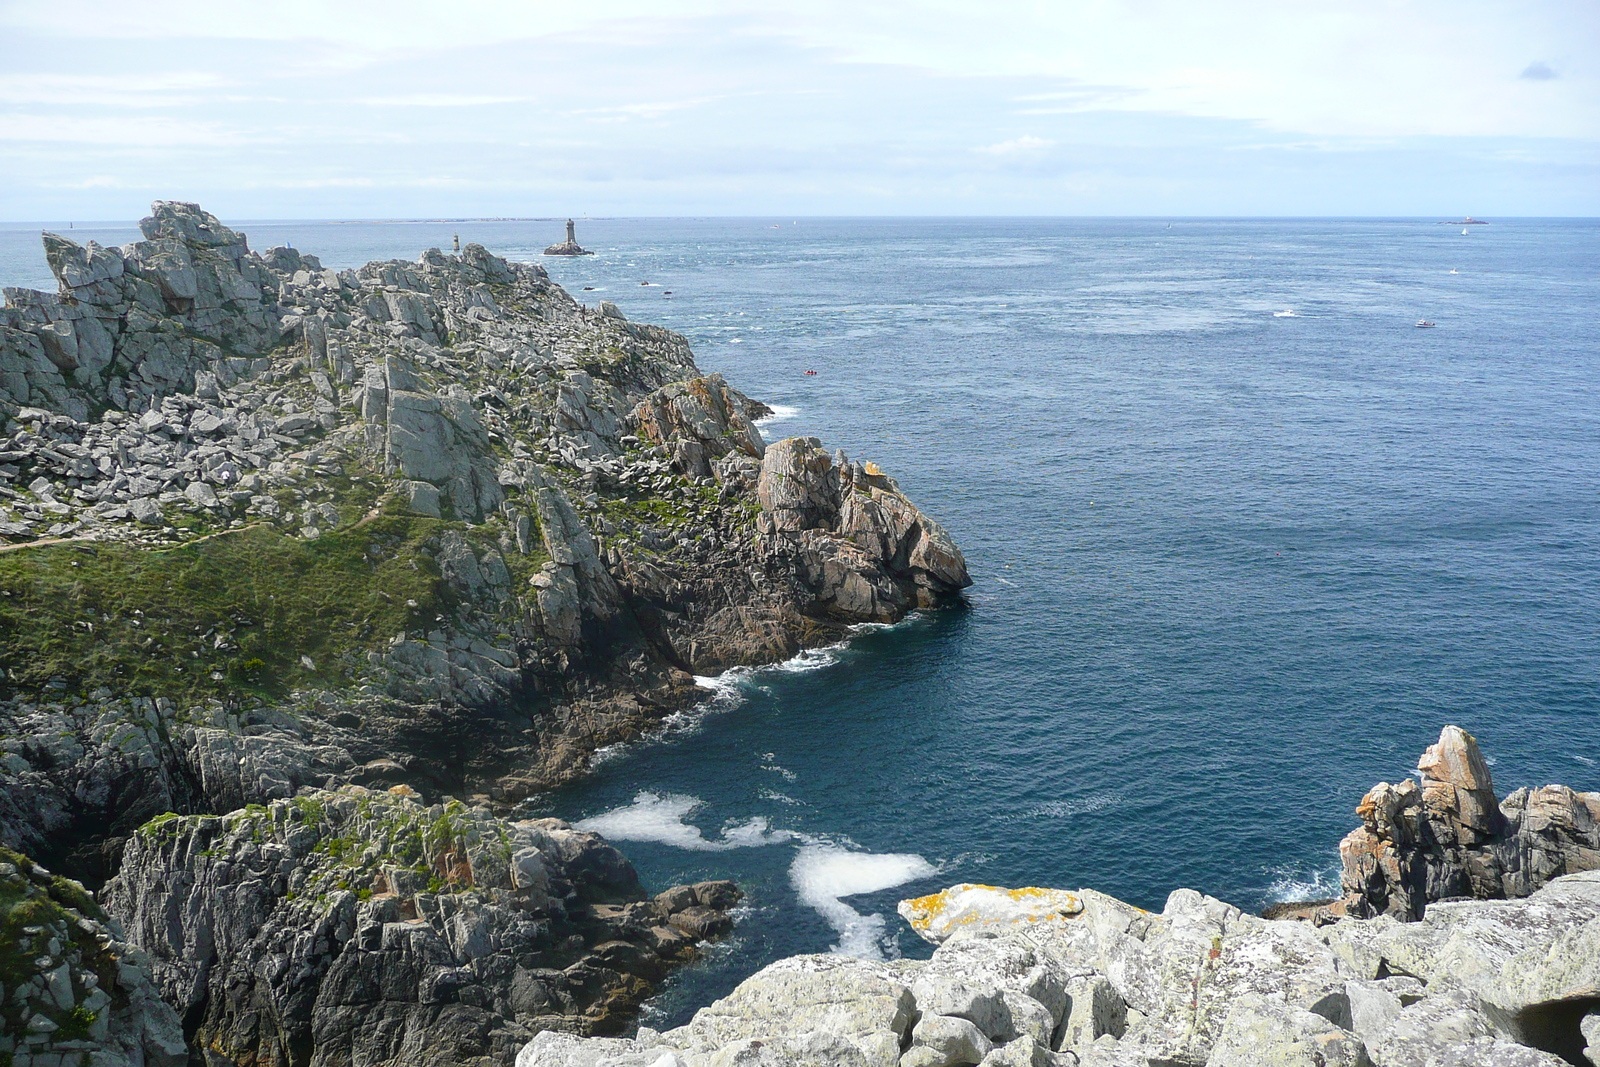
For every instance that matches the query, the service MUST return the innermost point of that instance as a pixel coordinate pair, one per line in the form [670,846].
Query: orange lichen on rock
[938,916]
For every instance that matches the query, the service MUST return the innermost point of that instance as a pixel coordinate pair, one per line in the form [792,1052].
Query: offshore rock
[1486,983]
[1449,837]
[74,990]
[361,926]
[569,247]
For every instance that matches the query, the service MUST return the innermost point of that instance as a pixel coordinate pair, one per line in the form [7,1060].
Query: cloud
[1538,71]
[1016,146]
[439,100]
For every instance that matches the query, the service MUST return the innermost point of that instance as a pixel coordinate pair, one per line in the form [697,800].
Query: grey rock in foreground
[364,927]
[72,990]
[1084,979]
[1449,836]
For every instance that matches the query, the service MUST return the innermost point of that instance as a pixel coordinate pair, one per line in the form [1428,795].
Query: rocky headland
[309,576]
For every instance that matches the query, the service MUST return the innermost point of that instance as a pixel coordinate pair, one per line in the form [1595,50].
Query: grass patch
[245,605]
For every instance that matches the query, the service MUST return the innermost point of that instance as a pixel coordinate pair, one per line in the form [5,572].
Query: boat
[1424,323]
[811,372]
[1467,221]
[1465,232]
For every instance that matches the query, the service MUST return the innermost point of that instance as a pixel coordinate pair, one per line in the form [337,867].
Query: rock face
[74,991]
[1493,984]
[428,522]
[363,927]
[1449,837]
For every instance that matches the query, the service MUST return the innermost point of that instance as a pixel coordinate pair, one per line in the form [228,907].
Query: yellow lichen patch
[937,915]
[872,469]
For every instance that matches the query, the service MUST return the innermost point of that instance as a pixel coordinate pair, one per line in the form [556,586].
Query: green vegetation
[32,914]
[230,614]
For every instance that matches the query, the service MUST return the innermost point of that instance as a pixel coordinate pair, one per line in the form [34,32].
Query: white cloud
[726,106]
[1024,144]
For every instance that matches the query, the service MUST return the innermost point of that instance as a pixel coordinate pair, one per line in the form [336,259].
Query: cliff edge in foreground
[1044,978]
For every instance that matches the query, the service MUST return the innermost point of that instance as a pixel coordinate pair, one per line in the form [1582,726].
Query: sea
[1243,537]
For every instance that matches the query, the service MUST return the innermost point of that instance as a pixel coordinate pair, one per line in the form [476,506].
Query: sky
[492,108]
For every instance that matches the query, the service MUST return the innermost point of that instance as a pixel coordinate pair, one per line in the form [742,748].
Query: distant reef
[308,576]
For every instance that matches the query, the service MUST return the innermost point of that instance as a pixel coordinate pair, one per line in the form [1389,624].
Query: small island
[570,246]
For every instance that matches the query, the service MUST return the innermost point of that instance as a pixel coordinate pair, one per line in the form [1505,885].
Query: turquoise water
[1233,565]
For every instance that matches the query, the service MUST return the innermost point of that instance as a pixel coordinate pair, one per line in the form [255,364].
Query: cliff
[275,527]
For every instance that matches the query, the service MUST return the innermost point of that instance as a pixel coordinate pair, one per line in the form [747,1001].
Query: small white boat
[1465,232]
[1423,323]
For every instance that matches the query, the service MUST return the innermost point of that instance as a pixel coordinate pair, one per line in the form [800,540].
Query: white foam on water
[810,659]
[661,819]
[1286,313]
[1585,760]
[872,627]
[779,413]
[1291,884]
[774,795]
[823,874]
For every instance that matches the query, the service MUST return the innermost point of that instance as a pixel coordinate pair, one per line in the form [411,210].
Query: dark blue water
[1232,565]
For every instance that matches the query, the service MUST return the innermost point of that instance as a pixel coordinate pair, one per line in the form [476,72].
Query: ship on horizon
[1468,221]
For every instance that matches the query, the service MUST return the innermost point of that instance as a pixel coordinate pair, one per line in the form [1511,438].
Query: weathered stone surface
[1507,983]
[863,1002]
[1448,837]
[362,926]
[938,916]
[1267,1032]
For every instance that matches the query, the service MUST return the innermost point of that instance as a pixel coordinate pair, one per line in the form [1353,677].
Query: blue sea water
[1243,539]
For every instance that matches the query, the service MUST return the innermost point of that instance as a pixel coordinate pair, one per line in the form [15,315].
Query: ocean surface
[1243,537]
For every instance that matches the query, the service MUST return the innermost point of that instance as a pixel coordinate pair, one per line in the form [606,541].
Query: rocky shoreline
[310,576]
[1050,978]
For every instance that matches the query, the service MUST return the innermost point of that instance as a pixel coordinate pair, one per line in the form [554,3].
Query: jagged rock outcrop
[364,927]
[429,522]
[72,990]
[1088,981]
[1449,837]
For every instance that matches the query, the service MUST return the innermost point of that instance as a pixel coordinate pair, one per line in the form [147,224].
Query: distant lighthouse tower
[570,247]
